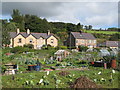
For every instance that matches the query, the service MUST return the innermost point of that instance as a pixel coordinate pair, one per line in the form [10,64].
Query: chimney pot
[48,32]
[18,30]
[28,31]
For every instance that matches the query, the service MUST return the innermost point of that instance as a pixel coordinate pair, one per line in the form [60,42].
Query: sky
[97,14]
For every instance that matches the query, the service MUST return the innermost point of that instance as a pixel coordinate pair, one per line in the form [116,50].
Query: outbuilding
[61,54]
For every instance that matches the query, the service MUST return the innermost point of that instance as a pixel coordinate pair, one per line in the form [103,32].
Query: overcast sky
[98,14]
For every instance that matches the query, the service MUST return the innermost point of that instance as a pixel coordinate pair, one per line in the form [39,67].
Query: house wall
[86,42]
[40,42]
[11,43]
[34,41]
[114,47]
[16,39]
[55,41]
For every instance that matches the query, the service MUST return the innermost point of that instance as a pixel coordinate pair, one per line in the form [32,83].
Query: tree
[86,27]
[5,37]
[79,26]
[71,27]
[18,18]
[90,27]
[115,37]
[11,26]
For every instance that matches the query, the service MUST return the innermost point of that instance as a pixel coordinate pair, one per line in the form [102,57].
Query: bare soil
[84,82]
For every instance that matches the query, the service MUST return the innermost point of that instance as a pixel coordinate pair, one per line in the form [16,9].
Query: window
[76,41]
[19,40]
[89,41]
[52,40]
[82,41]
[94,41]
[31,40]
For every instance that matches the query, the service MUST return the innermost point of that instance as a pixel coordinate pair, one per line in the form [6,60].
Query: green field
[49,81]
[102,32]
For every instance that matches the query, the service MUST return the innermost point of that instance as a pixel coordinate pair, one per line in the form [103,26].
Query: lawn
[102,32]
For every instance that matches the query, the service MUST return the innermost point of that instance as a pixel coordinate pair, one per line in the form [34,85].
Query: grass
[102,32]
[20,79]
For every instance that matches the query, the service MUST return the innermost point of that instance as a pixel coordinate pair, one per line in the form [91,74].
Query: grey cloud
[42,9]
[99,14]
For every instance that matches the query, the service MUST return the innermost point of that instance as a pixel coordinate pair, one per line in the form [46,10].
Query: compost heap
[63,73]
[84,82]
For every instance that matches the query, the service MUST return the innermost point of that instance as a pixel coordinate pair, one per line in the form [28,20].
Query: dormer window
[19,40]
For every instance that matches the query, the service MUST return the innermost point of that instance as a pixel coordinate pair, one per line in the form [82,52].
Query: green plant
[31,46]
[3,68]
[19,49]
[82,48]
[61,47]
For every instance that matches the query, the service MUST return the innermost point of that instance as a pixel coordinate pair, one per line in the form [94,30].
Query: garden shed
[61,54]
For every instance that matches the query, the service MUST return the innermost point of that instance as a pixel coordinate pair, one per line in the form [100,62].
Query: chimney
[28,31]
[18,30]
[80,31]
[48,32]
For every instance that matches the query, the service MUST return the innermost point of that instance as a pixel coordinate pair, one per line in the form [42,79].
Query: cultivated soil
[84,82]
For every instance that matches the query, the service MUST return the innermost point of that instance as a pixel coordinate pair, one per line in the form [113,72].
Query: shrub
[83,48]
[44,47]
[50,47]
[3,68]
[31,46]
[47,47]
[19,49]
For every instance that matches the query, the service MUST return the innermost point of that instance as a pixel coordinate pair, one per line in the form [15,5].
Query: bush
[19,49]
[47,47]
[50,47]
[31,46]
[83,48]
[3,68]
[44,47]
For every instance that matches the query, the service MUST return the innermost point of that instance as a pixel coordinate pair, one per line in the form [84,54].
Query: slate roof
[79,35]
[36,35]
[113,43]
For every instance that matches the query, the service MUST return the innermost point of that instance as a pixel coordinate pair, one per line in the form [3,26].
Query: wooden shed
[61,54]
